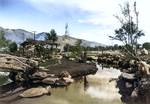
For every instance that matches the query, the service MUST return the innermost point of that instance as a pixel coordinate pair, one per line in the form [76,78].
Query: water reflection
[89,89]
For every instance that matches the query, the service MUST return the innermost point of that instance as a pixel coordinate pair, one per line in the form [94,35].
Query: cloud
[81,21]
[90,19]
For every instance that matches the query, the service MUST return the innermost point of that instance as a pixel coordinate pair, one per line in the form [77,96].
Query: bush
[13,47]
[3,79]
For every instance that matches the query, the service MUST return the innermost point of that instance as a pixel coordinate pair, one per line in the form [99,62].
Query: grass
[49,62]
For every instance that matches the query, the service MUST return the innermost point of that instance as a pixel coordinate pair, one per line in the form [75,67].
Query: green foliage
[79,48]
[51,36]
[49,62]
[3,41]
[13,47]
[125,35]
[146,45]
[39,50]
[115,47]
[3,79]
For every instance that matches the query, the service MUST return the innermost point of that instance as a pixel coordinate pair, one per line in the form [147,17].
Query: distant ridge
[20,35]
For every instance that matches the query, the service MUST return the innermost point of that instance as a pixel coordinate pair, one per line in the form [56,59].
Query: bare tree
[129,32]
[65,37]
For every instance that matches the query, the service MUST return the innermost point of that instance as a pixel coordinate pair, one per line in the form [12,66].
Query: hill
[20,35]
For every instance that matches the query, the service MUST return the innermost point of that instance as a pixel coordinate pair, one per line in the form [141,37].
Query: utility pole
[34,34]
[34,40]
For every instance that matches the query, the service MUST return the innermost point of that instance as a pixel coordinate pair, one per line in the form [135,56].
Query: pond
[90,89]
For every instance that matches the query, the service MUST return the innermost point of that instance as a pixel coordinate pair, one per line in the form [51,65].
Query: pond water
[91,89]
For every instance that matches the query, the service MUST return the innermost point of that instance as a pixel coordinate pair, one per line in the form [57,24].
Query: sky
[91,20]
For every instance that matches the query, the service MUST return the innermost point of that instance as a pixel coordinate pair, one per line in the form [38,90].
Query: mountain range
[20,35]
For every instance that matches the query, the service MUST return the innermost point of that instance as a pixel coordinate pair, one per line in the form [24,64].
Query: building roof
[35,42]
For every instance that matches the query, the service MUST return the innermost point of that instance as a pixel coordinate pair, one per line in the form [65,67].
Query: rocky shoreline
[29,74]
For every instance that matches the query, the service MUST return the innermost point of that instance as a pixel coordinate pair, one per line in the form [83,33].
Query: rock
[9,63]
[37,59]
[115,62]
[132,63]
[88,62]
[68,79]
[64,74]
[39,75]
[35,92]
[108,61]
[78,59]
[19,77]
[130,69]
[104,59]
[116,57]
[144,52]
[71,59]
[120,63]
[125,64]
[134,93]
[94,62]
[60,83]
[43,61]
[57,57]
[144,67]
[50,75]
[128,76]
[43,68]
[36,81]
[50,80]
[99,59]
[128,85]
[92,58]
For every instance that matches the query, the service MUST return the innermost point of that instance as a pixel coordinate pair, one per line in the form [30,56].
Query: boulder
[88,62]
[94,62]
[115,62]
[92,58]
[104,59]
[59,57]
[120,63]
[50,80]
[108,61]
[128,76]
[144,67]
[132,63]
[36,81]
[35,92]
[64,74]
[144,52]
[19,77]
[39,75]
[9,63]
[68,79]
[60,83]
[50,75]
[43,68]
[71,59]
[128,85]
[134,93]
